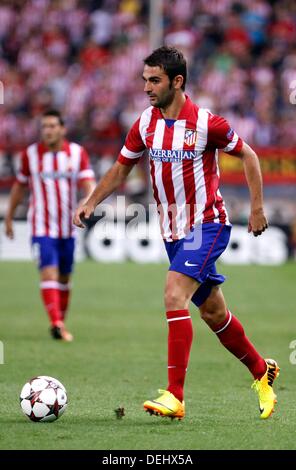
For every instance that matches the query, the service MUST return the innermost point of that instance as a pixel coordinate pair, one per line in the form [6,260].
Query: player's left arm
[257,219]
[222,136]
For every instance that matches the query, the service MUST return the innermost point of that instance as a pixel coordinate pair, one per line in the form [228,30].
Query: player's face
[158,87]
[52,132]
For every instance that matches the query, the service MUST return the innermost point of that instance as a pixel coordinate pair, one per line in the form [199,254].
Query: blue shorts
[57,252]
[196,254]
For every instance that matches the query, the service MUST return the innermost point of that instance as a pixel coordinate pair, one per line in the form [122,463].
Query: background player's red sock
[65,291]
[51,299]
[232,336]
[179,344]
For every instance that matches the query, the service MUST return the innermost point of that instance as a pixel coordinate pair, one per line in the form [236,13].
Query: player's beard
[166,98]
[52,142]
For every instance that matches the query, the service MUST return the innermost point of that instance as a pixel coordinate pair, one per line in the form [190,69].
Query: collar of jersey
[65,147]
[185,111]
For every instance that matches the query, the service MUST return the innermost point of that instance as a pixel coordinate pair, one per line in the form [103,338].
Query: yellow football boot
[266,395]
[167,405]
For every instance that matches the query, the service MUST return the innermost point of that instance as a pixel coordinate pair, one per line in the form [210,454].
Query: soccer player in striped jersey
[53,168]
[182,142]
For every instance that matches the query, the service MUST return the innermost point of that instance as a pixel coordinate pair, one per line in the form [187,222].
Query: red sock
[64,290]
[179,344]
[231,334]
[51,299]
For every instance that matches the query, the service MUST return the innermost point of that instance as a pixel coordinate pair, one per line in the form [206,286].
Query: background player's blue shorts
[54,252]
[195,256]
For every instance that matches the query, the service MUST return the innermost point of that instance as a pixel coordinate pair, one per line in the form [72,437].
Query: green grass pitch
[118,359]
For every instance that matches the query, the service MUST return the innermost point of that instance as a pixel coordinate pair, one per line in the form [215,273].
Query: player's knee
[213,316]
[49,273]
[174,300]
[214,310]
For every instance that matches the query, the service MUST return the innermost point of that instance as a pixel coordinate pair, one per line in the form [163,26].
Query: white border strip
[64,287]
[49,285]
[225,326]
[175,319]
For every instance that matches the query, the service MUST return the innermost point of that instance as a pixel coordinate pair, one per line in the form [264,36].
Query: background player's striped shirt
[53,179]
[183,165]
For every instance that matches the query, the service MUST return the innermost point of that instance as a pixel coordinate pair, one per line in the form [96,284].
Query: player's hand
[9,228]
[257,222]
[82,212]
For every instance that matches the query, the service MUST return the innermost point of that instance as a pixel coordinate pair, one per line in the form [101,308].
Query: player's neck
[173,110]
[56,147]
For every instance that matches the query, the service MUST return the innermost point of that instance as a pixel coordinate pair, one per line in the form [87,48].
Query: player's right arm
[17,194]
[130,154]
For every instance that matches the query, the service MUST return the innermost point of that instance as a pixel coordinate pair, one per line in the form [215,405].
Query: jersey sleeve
[222,136]
[23,173]
[85,170]
[133,147]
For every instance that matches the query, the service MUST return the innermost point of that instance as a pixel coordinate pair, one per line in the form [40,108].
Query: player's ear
[178,81]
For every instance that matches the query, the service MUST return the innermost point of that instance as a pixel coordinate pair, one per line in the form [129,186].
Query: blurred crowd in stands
[85,58]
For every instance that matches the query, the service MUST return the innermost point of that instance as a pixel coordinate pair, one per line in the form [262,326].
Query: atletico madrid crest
[190,137]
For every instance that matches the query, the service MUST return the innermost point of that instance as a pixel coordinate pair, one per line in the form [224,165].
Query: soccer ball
[43,398]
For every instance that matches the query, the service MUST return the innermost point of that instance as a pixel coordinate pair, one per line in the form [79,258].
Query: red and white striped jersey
[183,165]
[53,179]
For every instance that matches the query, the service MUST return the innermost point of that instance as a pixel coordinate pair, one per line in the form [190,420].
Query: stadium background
[85,58]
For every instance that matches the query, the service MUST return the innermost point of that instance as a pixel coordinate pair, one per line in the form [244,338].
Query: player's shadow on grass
[110,421]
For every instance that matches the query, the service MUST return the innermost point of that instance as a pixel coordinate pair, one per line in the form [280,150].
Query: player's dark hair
[54,113]
[170,60]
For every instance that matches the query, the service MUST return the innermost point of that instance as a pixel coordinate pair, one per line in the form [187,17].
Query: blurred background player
[182,140]
[53,168]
